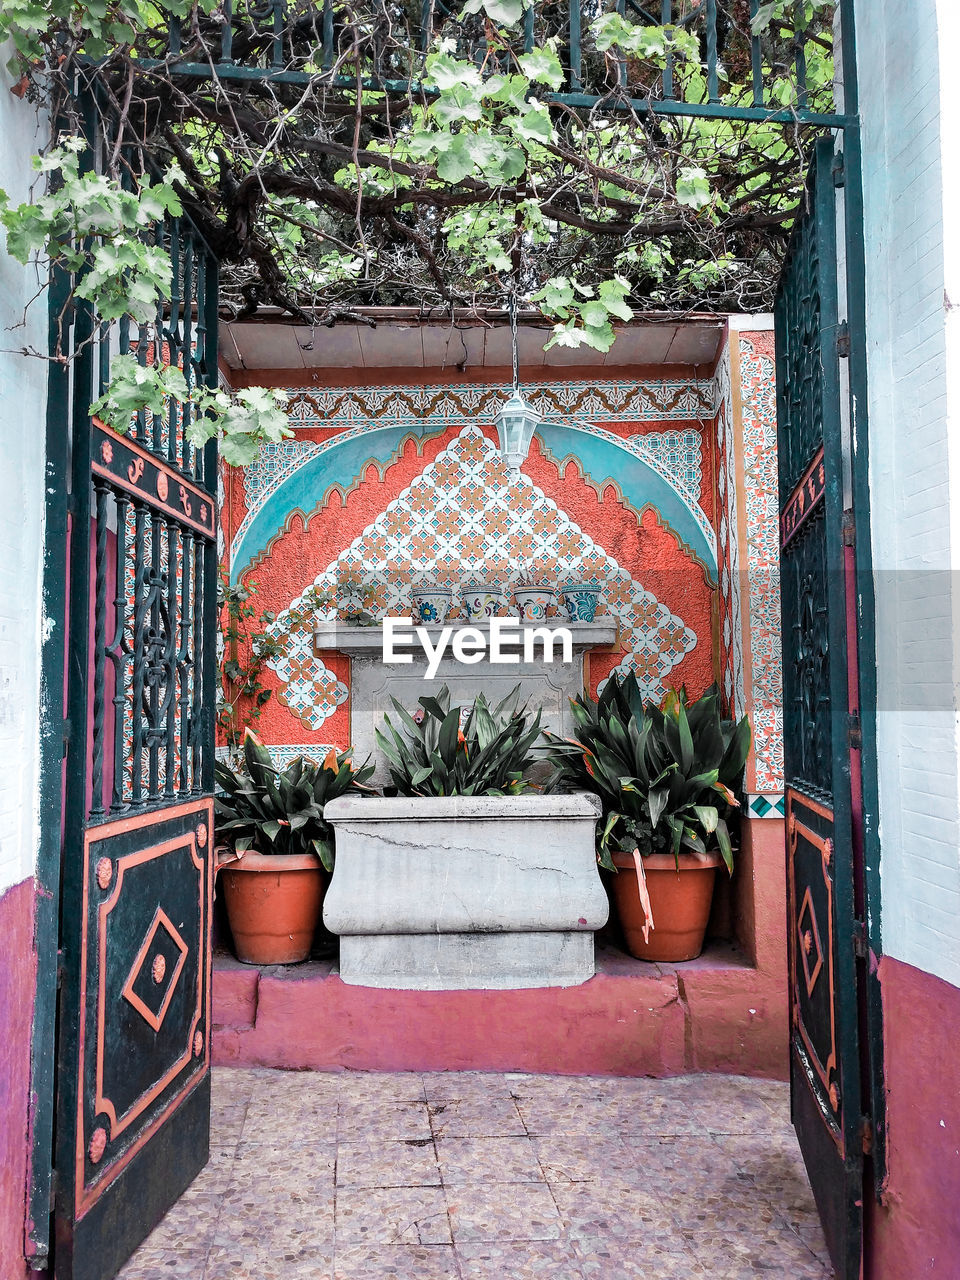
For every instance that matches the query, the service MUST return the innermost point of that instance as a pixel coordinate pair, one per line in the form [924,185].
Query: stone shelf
[547,686]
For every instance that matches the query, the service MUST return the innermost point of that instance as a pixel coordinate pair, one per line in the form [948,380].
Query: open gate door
[819,697]
[133,1086]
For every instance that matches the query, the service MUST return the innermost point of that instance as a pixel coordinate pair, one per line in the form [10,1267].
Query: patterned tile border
[753,379]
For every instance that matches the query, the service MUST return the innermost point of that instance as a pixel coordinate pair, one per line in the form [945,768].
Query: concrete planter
[455,893]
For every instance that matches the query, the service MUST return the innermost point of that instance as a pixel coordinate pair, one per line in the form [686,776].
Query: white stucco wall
[23,397]
[914,477]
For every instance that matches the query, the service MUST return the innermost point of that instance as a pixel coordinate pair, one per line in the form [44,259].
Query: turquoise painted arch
[603,461]
[340,462]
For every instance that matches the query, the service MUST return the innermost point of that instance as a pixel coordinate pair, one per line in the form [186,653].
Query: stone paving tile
[384,1086]
[472,1160]
[291,1114]
[637,1258]
[388,1164]
[477,1118]
[397,1262]
[606,1209]
[163,1264]
[192,1228]
[504,1211]
[457,1086]
[584,1157]
[397,1215]
[216,1175]
[226,1125]
[731,1254]
[251,1262]
[569,1112]
[470,1176]
[386,1119]
[518,1260]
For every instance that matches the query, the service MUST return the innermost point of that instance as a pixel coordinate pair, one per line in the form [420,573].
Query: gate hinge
[843,339]
[860,939]
[854,732]
[839,170]
[848,528]
[866,1135]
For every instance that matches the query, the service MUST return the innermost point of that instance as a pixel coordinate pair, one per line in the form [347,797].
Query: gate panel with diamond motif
[819,681]
[134,1016]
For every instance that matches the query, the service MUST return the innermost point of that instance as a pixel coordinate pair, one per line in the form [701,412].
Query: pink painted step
[717,1013]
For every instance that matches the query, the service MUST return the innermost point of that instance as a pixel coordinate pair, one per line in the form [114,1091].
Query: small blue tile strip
[769,804]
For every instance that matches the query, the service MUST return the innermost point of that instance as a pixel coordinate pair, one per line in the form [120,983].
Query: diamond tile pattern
[467,1176]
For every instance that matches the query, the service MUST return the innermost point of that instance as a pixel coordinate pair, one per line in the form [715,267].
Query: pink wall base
[17,977]
[916,1231]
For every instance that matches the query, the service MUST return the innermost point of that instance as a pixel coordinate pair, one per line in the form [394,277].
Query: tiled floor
[492,1177]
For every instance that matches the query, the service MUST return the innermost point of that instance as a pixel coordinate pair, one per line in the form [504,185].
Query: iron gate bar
[226,67]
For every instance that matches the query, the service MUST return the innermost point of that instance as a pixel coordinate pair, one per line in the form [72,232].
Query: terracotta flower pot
[273,905]
[680,902]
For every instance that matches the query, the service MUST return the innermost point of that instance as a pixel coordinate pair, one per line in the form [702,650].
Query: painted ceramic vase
[580,599]
[430,605]
[481,600]
[533,602]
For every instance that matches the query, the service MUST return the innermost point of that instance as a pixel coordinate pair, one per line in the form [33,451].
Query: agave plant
[459,751]
[281,810]
[666,775]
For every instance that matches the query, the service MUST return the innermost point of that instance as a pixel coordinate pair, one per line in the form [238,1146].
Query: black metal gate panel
[822,925]
[134,1022]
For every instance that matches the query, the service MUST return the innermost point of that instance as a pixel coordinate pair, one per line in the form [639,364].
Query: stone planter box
[456,893]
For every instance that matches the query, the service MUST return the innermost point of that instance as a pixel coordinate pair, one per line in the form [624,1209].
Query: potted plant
[465,876]
[280,847]
[666,778]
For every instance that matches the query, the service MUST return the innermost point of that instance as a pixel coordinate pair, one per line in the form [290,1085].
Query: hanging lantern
[516,423]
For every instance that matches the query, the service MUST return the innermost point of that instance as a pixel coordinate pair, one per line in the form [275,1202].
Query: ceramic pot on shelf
[533,602]
[430,605]
[482,600]
[580,600]
[680,901]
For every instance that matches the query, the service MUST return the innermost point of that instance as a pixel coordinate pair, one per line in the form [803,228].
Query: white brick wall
[914,478]
[22,409]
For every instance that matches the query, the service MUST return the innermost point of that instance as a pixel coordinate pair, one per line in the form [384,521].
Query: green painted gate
[133,1052]
[826,923]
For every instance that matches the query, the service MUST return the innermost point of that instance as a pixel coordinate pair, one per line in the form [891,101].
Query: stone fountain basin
[458,892]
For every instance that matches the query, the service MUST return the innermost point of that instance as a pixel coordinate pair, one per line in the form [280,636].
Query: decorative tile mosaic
[759,417]
[466,516]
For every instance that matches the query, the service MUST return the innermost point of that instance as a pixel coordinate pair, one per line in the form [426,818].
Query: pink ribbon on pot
[644,896]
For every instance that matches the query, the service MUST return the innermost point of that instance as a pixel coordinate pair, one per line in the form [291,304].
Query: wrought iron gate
[134,1016]
[824,924]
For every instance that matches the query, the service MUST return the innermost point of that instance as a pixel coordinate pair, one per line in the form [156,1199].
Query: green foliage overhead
[448,168]
[476,180]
